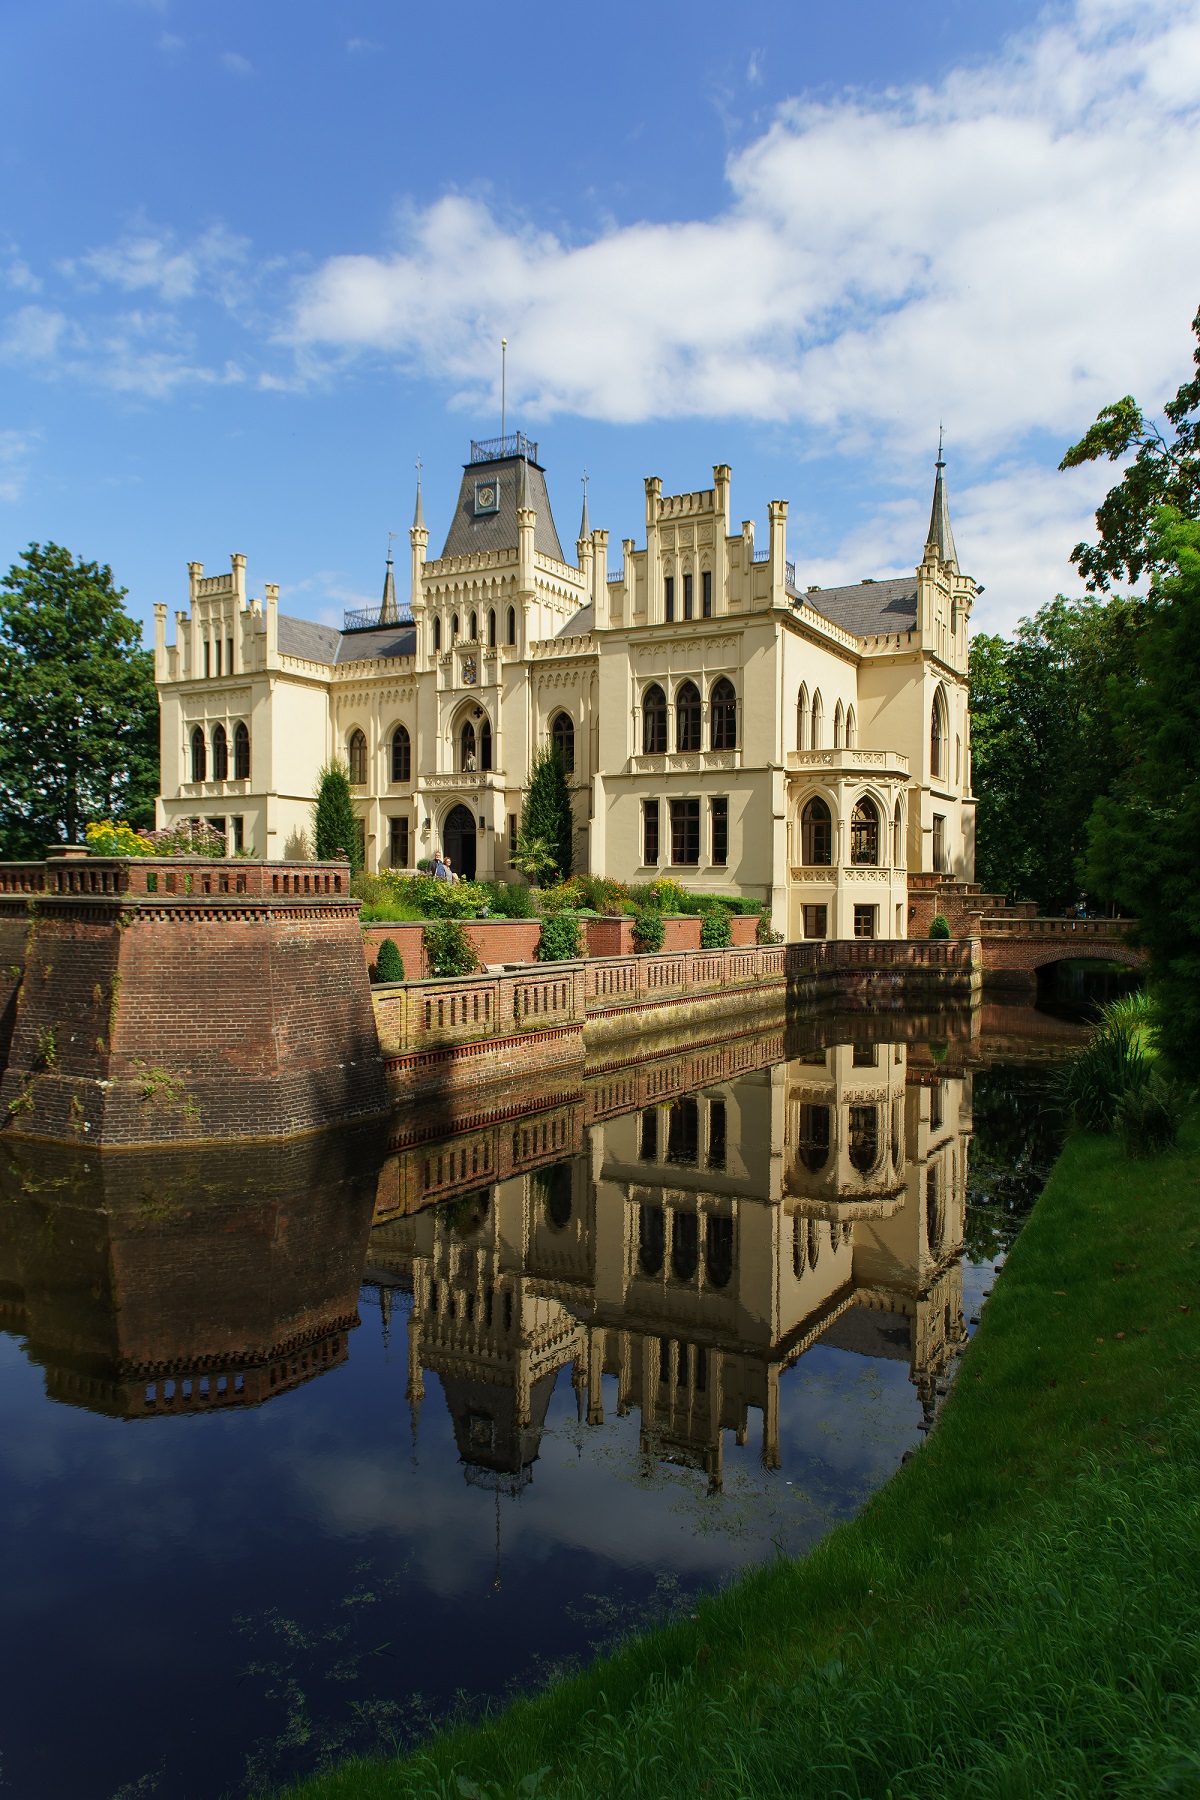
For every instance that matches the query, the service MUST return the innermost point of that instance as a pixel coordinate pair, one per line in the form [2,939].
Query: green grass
[1015,1613]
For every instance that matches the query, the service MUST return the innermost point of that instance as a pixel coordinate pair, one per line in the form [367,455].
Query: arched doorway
[458,841]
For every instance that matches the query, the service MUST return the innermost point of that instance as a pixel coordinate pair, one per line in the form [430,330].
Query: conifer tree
[335,823]
[546,810]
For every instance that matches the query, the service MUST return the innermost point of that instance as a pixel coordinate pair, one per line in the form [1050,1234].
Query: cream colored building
[720,723]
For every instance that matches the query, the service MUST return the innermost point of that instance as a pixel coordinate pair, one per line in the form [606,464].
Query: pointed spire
[940,535]
[388,611]
[419,515]
[585,530]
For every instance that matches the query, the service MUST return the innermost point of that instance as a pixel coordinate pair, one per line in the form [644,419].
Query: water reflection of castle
[158,1284]
[695,1250]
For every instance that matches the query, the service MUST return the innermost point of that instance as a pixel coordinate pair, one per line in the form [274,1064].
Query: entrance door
[458,841]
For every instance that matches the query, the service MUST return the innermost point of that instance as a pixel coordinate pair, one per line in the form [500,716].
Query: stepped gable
[520,482]
[869,608]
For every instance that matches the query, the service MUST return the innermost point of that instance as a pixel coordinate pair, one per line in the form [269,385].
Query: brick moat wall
[184,1002]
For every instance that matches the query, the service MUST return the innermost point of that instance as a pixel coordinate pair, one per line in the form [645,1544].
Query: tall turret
[940,537]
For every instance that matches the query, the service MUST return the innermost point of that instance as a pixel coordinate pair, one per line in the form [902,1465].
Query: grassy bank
[1016,1613]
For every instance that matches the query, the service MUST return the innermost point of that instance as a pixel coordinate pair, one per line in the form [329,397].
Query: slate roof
[468,535]
[869,608]
[325,644]
[578,625]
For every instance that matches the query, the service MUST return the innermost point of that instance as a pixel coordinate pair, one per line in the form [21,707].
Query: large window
[358,758]
[687,596]
[864,832]
[864,1138]
[485,746]
[937,737]
[401,755]
[864,921]
[400,843]
[650,833]
[199,756]
[687,717]
[651,1239]
[683,1131]
[669,598]
[816,921]
[468,754]
[654,720]
[685,1245]
[939,843]
[898,838]
[241,753]
[814,1137]
[722,716]
[706,593]
[220,754]
[512,625]
[718,1250]
[685,832]
[562,736]
[719,820]
[716,1134]
[816,834]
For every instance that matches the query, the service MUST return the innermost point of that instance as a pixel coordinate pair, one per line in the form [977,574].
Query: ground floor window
[939,843]
[399,849]
[685,832]
[816,921]
[720,832]
[716,1134]
[512,836]
[650,833]
[864,921]
[899,920]
[237,833]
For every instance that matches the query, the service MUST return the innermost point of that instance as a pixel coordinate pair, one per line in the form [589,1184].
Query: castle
[808,749]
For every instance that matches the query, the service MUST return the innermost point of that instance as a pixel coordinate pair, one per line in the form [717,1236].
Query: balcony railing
[495,449]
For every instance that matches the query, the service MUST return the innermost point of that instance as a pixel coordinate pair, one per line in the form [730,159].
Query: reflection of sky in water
[129,1551]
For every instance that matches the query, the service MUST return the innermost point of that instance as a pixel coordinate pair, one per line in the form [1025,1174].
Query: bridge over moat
[1016,940]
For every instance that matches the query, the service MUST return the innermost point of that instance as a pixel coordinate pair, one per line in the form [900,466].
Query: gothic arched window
[687,717]
[241,753]
[864,832]
[437,634]
[467,758]
[816,834]
[851,729]
[722,716]
[474,631]
[937,735]
[654,720]
[898,838]
[814,1137]
[358,758]
[220,754]
[562,736]
[492,629]
[802,719]
[818,721]
[401,755]
[485,744]
[512,625]
[199,756]
[837,727]
[864,1138]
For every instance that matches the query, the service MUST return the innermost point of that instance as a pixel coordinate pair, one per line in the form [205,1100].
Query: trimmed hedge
[389,964]
[560,940]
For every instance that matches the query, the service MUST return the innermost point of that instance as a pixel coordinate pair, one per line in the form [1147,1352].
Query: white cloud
[139,353]
[237,64]
[154,259]
[1007,251]
[16,448]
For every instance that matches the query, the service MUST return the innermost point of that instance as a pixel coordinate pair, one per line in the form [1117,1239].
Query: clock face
[487,497]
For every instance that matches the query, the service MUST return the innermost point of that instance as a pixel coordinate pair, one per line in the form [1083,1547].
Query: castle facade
[803,747]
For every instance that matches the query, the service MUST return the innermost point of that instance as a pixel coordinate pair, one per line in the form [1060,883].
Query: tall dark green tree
[1044,744]
[78,705]
[1165,471]
[546,809]
[336,825]
[1145,834]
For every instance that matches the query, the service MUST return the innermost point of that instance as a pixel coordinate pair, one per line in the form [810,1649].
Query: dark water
[275,1482]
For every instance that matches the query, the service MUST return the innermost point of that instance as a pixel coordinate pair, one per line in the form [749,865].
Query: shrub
[335,823]
[765,932]
[508,899]
[1091,1086]
[648,930]
[939,926]
[424,865]
[1148,1116]
[447,950]
[560,940]
[566,896]
[389,964]
[715,930]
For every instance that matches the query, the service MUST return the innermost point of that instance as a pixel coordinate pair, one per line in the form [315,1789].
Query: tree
[546,811]
[1144,834]
[335,822]
[1044,743]
[78,705]
[1163,473]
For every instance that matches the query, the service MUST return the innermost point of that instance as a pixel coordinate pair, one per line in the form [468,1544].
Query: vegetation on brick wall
[715,930]
[78,705]
[447,949]
[648,930]
[561,939]
[939,926]
[335,823]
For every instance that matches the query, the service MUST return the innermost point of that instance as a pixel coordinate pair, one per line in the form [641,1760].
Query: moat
[303,1447]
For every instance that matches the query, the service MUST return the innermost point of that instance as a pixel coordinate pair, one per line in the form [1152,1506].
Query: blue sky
[255,258]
